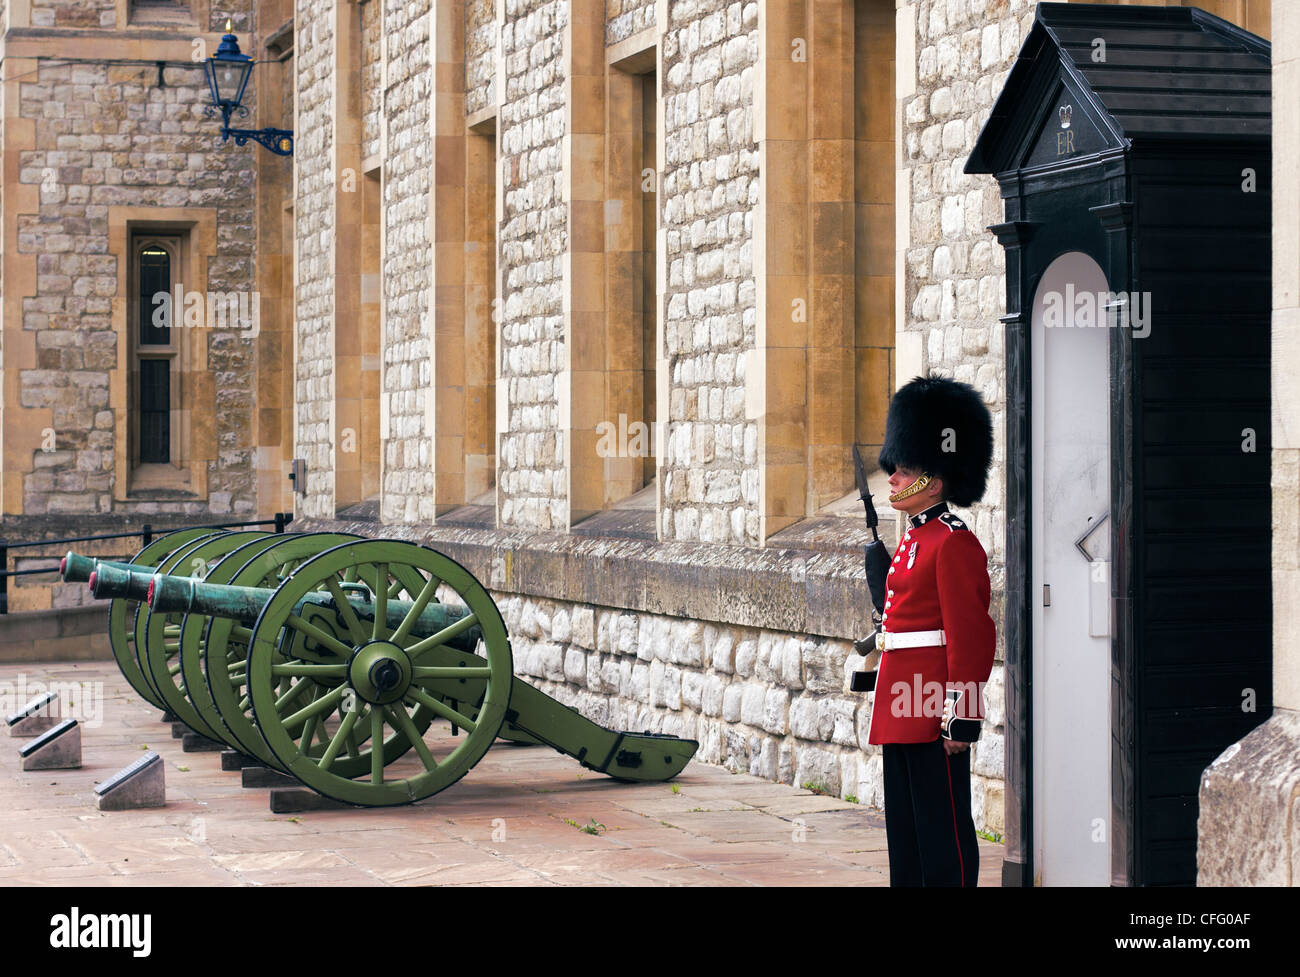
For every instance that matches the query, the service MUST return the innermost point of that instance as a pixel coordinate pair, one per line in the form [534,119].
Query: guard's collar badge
[934,512]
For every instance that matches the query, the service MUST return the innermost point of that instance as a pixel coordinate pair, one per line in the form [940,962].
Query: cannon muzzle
[108,580]
[75,568]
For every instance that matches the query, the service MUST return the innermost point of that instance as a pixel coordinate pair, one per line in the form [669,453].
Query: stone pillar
[450,254]
[1249,827]
[315,165]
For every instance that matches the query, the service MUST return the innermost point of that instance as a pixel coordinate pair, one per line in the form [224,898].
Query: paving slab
[516,819]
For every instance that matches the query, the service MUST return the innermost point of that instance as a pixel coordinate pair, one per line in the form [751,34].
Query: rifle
[876,563]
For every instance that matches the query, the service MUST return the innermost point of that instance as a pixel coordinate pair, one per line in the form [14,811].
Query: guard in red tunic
[936,637]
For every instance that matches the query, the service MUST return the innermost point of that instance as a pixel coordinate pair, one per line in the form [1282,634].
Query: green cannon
[170,594]
[377,672]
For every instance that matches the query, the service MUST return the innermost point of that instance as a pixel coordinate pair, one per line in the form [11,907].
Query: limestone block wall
[314,227]
[407,363]
[623,18]
[768,703]
[73,13]
[955,287]
[101,139]
[710,186]
[533,237]
[372,74]
[480,55]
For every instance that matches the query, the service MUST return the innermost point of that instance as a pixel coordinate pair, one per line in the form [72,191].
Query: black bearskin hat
[941,426]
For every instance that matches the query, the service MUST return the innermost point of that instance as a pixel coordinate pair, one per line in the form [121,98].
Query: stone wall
[623,18]
[107,136]
[241,17]
[73,13]
[955,288]
[533,238]
[372,77]
[103,13]
[408,366]
[480,55]
[314,227]
[768,697]
[710,187]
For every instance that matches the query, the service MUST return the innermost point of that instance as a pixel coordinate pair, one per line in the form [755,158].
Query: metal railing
[146,533]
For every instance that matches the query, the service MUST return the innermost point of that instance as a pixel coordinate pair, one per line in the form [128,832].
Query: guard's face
[901,479]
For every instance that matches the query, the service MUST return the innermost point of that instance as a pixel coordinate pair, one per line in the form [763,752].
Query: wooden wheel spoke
[443,636]
[341,736]
[309,670]
[421,602]
[286,698]
[322,638]
[449,672]
[354,747]
[376,746]
[322,704]
[381,602]
[346,610]
[400,720]
[308,735]
[442,709]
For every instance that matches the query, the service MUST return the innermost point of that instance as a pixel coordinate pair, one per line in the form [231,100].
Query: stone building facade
[593,295]
[635,244]
[103,154]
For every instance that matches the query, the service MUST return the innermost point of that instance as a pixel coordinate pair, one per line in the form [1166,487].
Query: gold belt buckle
[880,641]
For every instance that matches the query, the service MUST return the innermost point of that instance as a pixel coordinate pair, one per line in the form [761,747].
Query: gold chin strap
[919,485]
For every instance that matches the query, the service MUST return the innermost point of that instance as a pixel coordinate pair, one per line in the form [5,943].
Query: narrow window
[156,346]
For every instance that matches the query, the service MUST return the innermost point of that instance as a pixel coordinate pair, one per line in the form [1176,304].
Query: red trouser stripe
[952,803]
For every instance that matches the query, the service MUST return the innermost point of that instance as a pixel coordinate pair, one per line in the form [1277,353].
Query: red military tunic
[938,580]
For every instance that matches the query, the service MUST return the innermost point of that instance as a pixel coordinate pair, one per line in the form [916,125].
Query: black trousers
[928,822]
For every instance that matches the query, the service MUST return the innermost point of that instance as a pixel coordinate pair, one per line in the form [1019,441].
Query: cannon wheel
[224,652]
[158,636]
[378,676]
[213,650]
[121,613]
[193,648]
[174,563]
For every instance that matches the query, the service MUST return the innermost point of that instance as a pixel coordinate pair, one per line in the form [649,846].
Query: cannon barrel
[168,594]
[75,568]
[108,580]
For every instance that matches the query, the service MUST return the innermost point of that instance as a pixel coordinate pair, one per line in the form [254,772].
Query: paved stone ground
[717,829]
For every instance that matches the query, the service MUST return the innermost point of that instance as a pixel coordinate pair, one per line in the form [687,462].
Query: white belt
[889,640]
